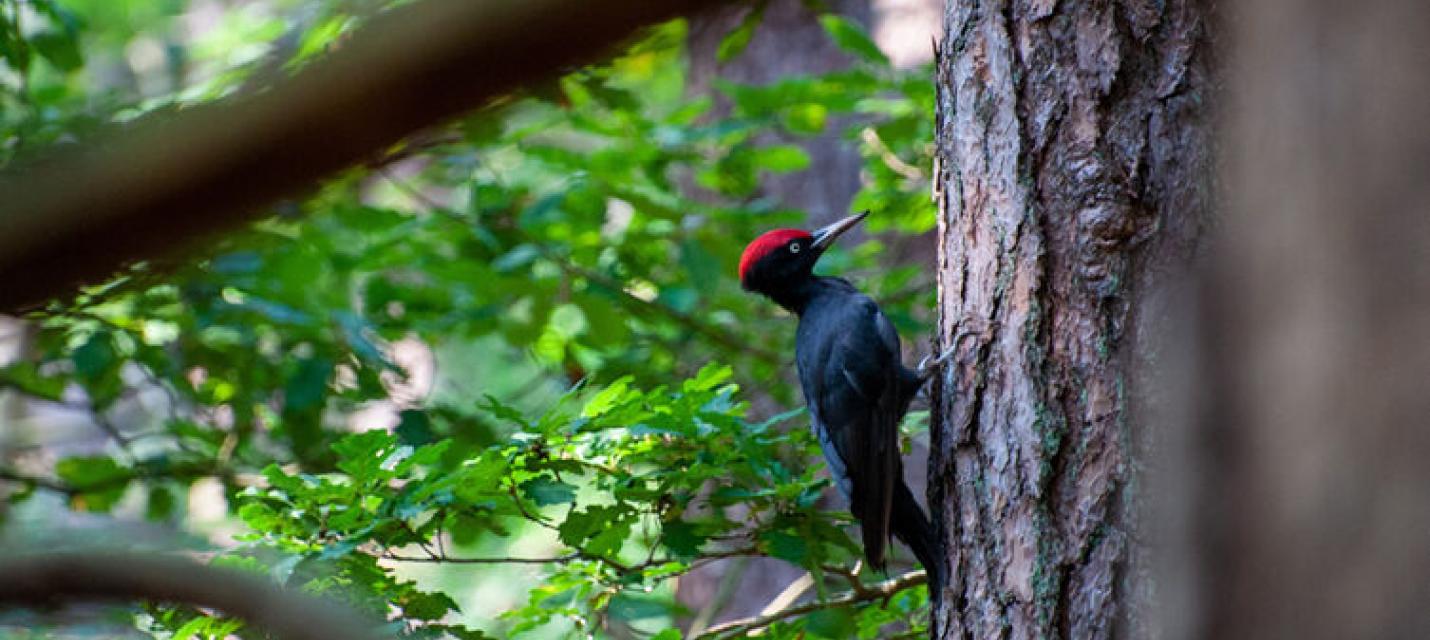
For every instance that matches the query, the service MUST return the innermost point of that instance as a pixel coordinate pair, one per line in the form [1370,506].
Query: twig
[790,593]
[891,159]
[110,429]
[441,532]
[850,575]
[686,320]
[729,580]
[880,591]
[10,475]
[138,474]
[500,560]
[574,270]
[422,543]
[521,508]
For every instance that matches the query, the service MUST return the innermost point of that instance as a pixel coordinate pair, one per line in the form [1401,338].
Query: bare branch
[140,473]
[880,591]
[497,560]
[11,475]
[166,182]
[45,580]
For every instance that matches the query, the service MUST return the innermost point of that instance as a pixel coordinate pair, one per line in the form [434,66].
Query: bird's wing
[857,386]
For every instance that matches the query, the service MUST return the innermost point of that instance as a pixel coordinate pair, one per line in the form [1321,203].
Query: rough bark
[1318,329]
[1074,155]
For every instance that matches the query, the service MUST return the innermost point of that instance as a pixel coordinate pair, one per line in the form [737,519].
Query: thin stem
[880,591]
[498,560]
[638,303]
[521,508]
[571,269]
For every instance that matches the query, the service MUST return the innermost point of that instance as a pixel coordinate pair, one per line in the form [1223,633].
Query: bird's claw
[931,363]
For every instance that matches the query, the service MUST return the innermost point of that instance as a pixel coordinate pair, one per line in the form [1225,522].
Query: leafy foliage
[628,491]
[562,257]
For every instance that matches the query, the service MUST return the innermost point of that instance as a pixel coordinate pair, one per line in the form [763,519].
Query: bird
[855,385]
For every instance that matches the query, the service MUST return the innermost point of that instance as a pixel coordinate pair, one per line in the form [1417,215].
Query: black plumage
[854,382]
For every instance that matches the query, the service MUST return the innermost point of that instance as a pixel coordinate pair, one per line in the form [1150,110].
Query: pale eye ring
[794,247]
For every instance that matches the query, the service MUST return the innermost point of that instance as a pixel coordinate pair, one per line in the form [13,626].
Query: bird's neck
[796,297]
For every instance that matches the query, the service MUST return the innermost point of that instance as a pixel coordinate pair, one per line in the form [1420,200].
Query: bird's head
[780,261]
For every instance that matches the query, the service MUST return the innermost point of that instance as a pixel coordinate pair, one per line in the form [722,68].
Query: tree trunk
[1318,332]
[1074,178]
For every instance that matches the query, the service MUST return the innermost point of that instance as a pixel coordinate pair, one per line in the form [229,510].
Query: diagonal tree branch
[167,182]
[45,580]
[880,591]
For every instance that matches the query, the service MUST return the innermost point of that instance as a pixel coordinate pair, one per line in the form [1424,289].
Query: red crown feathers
[763,245]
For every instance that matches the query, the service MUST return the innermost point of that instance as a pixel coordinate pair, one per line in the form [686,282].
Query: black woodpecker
[855,385]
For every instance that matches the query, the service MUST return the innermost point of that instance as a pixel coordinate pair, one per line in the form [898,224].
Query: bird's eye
[794,247]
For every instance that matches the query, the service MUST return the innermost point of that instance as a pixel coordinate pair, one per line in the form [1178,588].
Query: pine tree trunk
[1074,177]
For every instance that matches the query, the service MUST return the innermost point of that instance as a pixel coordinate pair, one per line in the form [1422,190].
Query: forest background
[498,381]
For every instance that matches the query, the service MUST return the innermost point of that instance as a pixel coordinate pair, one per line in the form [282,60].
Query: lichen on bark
[1073,161]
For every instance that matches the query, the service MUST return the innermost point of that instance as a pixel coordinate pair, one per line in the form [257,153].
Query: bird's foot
[931,363]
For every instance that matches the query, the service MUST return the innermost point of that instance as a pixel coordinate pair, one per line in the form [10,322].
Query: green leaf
[614,394]
[737,40]
[362,454]
[517,258]
[59,48]
[594,521]
[545,491]
[193,628]
[26,377]
[608,542]
[607,323]
[308,386]
[428,606]
[784,158]
[95,357]
[321,36]
[785,546]
[809,118]
[681,539]
[160,505]
[851,38]
[99,480]
[628,606]
[89,472]
[711,375]
[463,633]
[504,412]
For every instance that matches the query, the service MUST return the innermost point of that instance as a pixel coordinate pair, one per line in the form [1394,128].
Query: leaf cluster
[564,256]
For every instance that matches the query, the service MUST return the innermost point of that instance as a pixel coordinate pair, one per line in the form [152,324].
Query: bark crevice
[1057,157]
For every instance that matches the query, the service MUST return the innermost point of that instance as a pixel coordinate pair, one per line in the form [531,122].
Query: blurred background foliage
[502,379]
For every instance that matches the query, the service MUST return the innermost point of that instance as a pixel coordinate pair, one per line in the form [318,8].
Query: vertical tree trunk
[1319,329]
[1074,151]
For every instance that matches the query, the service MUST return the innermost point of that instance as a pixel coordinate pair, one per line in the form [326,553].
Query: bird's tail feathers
[909,524]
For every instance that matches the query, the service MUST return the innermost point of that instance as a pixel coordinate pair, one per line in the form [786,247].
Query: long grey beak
[827,235]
